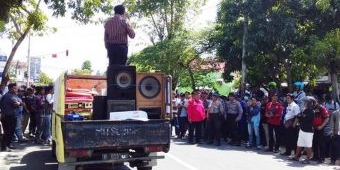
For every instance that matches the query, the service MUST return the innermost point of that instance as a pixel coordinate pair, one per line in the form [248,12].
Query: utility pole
[28,60]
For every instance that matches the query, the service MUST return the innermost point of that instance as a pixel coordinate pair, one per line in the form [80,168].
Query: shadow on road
[41,160]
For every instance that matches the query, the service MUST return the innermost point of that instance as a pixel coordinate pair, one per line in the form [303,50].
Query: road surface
[182,156]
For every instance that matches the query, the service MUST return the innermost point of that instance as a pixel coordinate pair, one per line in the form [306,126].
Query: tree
[44,79]
[171,56]
[86,65]
[5,7]
[22,17]
[326,53]
[165,18]
[85,69]
[279,32]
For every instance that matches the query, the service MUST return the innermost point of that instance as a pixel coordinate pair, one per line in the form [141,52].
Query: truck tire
[144,168]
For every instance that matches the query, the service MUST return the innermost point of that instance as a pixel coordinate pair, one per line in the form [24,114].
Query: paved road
[182,156]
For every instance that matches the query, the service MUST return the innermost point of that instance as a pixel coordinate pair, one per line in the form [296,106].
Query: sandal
[306,161]
[293,159]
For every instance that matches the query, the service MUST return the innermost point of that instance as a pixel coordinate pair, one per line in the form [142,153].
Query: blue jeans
[18,128]
[251,131]
[47,128]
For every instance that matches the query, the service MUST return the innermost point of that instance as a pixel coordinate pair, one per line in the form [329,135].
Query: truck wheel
[145,168]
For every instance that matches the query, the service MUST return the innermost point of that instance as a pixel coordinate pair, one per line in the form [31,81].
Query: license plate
[115,156]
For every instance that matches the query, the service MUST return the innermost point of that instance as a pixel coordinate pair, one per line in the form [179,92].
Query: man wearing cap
[215,119]
[305,137]
[299,95]
[273,114]
[117,29]
[290,132]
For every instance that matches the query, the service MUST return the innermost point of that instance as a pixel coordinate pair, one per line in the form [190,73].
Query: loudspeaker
[120,105]
[150,90]
[99,108]
[121,82]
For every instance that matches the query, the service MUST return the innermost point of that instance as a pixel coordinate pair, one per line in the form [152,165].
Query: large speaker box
[150,93]
[121,82]
[99,108]
[120,105]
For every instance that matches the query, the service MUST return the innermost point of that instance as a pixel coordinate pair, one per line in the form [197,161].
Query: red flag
[54,55]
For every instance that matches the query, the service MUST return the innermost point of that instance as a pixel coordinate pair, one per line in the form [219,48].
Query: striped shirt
[117,29]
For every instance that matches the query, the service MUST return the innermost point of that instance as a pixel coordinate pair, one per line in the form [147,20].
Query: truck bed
[94,134]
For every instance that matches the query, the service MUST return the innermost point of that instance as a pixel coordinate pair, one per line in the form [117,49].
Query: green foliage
[83,11]
[81,72]
[326,51]
[86,65]
[279,39]
[5,7]
[44,79]
[86,69]
[171,56]
[165,17]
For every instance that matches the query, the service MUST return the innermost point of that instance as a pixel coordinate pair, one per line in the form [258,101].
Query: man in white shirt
[291,133]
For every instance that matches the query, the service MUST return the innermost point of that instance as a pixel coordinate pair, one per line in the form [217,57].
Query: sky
[84,42]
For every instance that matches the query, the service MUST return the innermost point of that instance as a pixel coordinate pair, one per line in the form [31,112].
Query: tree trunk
[335,90]
[10,58]
[244,66]
[191,74]
[289,76]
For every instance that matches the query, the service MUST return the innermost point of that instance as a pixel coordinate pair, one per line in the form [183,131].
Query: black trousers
[214,126]
[33,125]
[335,147]
[117,53]
[272,129]
[233,128]
[291,136]
[8,124]
[197,128]
[183,125]
[318,145]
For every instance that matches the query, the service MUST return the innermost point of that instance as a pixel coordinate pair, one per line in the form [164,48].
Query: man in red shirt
[117,29]
[321,118]
[273,114]
[196,116]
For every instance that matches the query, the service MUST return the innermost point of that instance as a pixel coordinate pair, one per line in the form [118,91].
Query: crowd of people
[273,122]
[26,110]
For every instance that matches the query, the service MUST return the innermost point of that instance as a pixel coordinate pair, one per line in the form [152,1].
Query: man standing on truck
[117,29]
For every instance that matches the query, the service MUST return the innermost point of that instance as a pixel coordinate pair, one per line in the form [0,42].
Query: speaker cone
[149,87]
[124,79]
